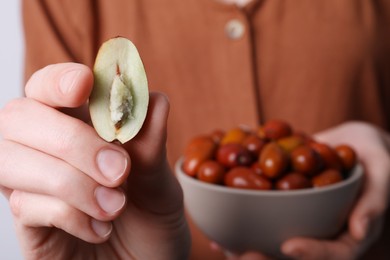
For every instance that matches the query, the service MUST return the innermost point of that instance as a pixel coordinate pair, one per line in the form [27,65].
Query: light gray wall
[11,55]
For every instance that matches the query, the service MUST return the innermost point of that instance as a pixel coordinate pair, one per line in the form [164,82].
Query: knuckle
[62,212]
[11,115]
[60,187]
[7,159]
[10,109]
[68,138]
[16,202]
[4,156]
[67,185]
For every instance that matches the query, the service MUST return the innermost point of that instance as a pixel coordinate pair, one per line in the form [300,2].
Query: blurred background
[11,78]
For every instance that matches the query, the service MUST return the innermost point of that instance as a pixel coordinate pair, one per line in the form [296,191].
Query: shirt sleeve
[57,31]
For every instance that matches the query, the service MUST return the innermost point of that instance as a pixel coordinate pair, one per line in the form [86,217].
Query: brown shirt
[312,63]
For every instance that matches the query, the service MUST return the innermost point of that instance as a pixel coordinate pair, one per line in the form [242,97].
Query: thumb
[151,183]
[373,202]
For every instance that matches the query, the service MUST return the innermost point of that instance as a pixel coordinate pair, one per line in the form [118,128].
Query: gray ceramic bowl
[241,220]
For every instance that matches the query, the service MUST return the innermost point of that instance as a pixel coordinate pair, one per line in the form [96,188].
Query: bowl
[240,220]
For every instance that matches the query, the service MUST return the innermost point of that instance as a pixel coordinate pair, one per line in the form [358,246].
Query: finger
[61,85]
[42,174]
[27,209]
[45,129]
[5,191]
[374,199]
[304,248]
[152,136]
[151,182]
[373,155]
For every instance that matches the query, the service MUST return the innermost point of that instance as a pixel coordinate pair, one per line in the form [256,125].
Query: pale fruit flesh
[119,100]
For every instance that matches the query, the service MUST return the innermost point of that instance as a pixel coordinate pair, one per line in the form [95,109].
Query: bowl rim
[356,176]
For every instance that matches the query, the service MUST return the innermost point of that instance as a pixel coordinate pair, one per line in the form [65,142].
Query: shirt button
[234,29]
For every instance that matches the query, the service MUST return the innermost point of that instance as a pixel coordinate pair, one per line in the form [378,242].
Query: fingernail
[110,200]
[112,164]
[102,229]
[68,80]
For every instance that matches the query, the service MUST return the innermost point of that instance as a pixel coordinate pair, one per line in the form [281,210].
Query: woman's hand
[72,194]
[366,220]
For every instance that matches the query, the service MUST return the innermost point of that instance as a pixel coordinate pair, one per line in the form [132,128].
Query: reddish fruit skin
[289,143]
[293,181]
[272,156]
[235,135]
[273,160]
[305,160]
[328,155]
[256,168]
[276,129]
[254,144]
[200,144]
[211,172]
[232,155]
[326,178]
[347,156]
[200,149]
[245,178]
[191,164]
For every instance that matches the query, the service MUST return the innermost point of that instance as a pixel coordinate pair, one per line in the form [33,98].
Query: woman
[323,66]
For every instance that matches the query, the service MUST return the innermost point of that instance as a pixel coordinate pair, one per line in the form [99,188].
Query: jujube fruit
[305,160]
[293,181]
[273,160]
[254,144]
[232,155]
[276,129]
[327,177]
[272,156]
[245,178]
[328,155]
[347,156]
[119,99]
[235,135]
[211,171]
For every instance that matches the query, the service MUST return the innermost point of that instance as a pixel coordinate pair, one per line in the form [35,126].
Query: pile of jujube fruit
[272,157]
